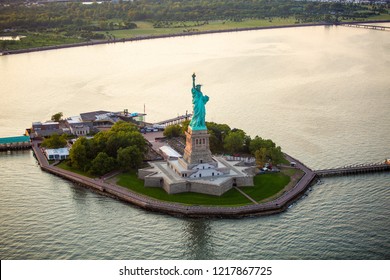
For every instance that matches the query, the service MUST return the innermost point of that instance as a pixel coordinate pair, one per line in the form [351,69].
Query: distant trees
[76,17]
[57,23]
[123,146]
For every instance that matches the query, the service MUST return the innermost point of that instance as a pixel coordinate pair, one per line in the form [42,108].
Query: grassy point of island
[267,187]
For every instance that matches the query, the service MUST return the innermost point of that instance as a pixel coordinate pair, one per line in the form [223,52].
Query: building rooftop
[91,116]
[74,119]
[45,123]
[60,151]
[14,139]
[169,152]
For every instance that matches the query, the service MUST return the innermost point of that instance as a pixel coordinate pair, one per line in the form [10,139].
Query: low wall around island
[177,209]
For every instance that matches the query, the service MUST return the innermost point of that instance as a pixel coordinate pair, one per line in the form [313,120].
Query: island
[218,172]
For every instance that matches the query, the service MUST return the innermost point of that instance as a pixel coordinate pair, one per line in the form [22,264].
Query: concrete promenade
[176,209]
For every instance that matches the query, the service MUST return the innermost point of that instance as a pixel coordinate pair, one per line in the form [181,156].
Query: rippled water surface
[320,93]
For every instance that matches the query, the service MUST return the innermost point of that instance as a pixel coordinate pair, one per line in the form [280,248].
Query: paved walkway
[177,209]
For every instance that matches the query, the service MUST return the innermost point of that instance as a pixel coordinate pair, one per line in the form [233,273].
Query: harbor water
[321,93]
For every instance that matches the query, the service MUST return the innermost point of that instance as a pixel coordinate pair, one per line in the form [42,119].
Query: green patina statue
[198,121]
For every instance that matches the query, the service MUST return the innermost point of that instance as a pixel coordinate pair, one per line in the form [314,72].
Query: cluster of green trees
[123,147]
[71,19]
[223,139]
[55,141]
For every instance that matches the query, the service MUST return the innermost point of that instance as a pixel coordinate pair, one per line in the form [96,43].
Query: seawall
[276,206]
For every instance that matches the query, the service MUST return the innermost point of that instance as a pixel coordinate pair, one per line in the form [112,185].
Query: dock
[354,169]
[367,26]
[15,143]
[176,120]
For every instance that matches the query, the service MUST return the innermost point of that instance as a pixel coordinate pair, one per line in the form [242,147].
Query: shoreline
[151,37]
[275,206]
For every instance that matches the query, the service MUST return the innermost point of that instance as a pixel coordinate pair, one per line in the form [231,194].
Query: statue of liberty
[198,121]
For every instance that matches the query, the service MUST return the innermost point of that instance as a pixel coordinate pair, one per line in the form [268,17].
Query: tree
[78,155]
[57,117]
[234,141]
[276,155]
[122,135]
[184,125]
[217,132]
[129,158]
[261,156]
[174,130]
[100,154]
[215,144]
[272,154]
[55,141]
[98,143]
[102,164]
[123,126]
[258,142]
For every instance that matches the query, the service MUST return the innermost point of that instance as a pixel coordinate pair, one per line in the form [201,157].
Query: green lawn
[380,17]
[64,166]
[232,197]
[147,29]
[266,186]
[35,40]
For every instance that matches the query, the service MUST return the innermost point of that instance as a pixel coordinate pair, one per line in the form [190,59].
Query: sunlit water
[321,93]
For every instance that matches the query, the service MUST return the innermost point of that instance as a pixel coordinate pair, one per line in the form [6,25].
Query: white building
[169,153]
[57,154]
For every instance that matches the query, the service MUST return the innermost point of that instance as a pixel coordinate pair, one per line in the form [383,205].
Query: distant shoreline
[150,37]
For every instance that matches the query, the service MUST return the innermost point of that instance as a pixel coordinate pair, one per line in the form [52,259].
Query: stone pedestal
[197,150]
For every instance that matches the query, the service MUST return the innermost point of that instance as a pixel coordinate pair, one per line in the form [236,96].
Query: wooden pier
[177,120]
[354,169]
[367,26]
[15,143]
[15,147]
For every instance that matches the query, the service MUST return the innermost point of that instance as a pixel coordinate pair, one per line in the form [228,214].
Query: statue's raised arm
[193,80]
